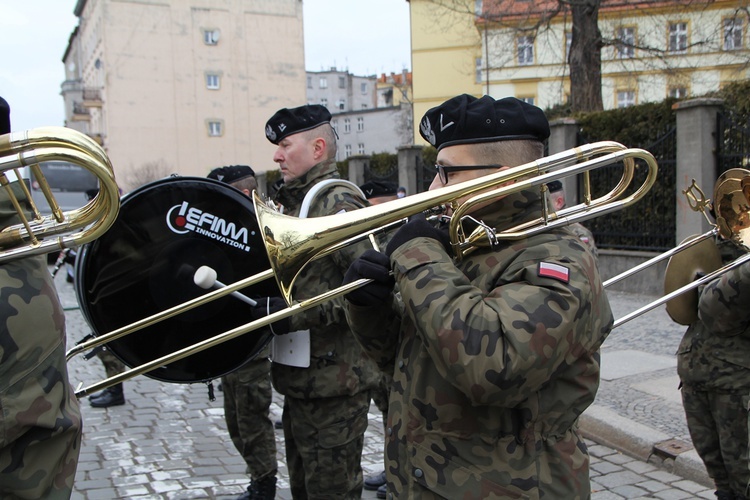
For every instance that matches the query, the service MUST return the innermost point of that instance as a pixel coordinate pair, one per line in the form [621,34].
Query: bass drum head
[145,263]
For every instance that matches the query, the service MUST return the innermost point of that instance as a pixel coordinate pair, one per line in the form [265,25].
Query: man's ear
[319,148]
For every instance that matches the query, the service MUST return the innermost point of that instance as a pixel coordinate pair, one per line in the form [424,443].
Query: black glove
[417,227]
[270,305]
[375,266]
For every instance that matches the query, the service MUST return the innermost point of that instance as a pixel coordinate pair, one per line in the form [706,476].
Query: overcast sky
[364,36]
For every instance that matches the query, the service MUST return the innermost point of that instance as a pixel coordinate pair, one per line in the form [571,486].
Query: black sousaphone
[145,263]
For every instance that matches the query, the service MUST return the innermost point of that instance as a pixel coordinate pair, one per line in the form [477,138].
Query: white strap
[317,188]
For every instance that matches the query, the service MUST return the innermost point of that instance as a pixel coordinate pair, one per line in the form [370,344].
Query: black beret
[287,121]
[231,173]
[373,189]
[467,120]
[4,117]
[554,186]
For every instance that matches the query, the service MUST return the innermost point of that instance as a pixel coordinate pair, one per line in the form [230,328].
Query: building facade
[370,114]
[651,50]
[182,86]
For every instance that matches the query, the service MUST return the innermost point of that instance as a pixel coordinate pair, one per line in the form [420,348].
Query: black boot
[112,396]
[263,489]
[724,495]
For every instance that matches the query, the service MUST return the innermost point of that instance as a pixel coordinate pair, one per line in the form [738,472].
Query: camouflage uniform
[247,399]
[40,419]
[112,365]
[325,405]
[585,236]
[492,365]
[714,370]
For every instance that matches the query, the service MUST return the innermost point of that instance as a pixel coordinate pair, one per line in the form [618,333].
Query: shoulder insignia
[554,271]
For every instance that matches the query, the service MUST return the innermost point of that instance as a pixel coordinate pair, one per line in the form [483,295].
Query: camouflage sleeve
[40,422]
[500,345]
[723,302]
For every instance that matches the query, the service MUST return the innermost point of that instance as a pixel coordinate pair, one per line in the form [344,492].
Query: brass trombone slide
[291,245]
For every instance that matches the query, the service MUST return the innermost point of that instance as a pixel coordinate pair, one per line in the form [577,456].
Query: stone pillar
[564,136]
[357,165]
[409,160]
[696,159]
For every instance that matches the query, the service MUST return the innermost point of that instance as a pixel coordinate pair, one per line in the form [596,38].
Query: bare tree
[634,39]
[145,173]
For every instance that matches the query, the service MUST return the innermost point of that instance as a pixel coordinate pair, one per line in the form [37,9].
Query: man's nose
[436,183]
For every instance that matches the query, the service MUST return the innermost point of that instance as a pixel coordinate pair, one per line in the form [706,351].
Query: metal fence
[732,143]
[650,224]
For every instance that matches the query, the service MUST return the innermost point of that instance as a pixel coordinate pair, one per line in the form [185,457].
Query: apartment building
[652,50]
[370,114]
[182,86]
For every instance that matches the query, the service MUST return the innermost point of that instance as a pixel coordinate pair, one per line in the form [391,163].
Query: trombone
[291,245]
[44,234]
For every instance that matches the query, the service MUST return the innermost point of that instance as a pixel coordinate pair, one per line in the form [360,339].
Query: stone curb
[637,440]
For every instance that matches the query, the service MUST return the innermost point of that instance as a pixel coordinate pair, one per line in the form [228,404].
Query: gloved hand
[375,266]
[417,227]
[270,305]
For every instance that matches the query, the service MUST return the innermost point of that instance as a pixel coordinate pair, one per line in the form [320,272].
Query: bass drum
[145,264]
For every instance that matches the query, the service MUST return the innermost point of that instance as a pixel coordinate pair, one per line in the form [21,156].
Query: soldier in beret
[40,416]
[378,192]
[325,402]
[247,390]
[494,356]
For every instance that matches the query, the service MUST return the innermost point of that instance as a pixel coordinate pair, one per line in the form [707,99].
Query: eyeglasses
[444,170]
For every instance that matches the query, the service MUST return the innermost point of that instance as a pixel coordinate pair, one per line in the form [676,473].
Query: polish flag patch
[555,271]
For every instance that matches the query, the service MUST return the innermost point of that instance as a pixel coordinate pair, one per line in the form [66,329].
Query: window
[478,7]
[625,47]
[335,126]
[364,106]
[212,81]
[568,43]
[625,98]
[527,100]
[360,149]
[363,87]
[348,150]
[215,128]
[678,38]
[324,102]
[341,105]
[525,50]
[347,125]
[732,34]
[323,82]
[210,37]
[342,82]
[478,69]
[309,82]
[677,92]
[360,124]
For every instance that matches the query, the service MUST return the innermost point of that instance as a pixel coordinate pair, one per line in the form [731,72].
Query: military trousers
[324,438]
[247,399]
[718,425]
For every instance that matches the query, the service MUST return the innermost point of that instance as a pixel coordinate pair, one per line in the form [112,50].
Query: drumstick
[205,277]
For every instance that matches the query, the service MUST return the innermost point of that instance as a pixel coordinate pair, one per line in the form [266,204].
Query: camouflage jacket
[495,358]
[40,418]
[338,366]
[713,354]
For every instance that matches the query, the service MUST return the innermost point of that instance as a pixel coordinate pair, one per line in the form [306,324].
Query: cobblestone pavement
[169,441]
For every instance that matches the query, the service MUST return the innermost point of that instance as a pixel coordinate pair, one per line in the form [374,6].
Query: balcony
[80,112]
[92,98]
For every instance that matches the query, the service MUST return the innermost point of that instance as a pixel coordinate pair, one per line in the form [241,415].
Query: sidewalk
[170,442]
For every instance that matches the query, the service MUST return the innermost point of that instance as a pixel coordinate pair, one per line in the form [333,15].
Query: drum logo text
[183,218]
